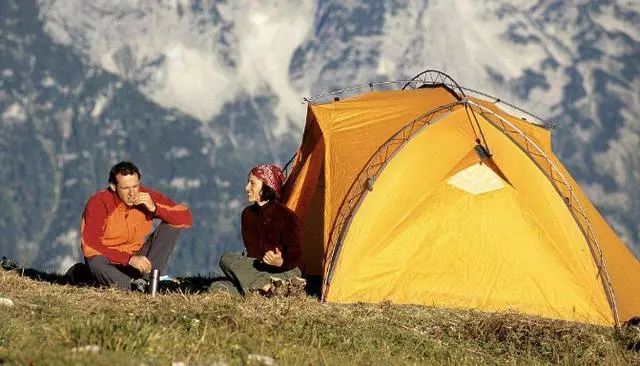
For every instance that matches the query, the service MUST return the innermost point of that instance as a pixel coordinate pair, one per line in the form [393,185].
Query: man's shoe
[7,264]
[168,285]
[139,285]
[79,275]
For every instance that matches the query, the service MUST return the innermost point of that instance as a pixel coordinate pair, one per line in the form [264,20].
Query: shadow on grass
[78,275]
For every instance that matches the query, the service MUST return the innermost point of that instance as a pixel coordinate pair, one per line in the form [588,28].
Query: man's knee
[97,264]
[167,229]
[106,273]
[166,235]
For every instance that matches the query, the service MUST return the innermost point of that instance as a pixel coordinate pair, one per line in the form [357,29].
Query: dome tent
[435,195]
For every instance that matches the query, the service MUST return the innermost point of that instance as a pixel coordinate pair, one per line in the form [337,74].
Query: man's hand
[273,258]
[141,263]
[144,198]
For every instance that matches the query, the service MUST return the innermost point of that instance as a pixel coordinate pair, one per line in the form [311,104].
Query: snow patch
[599,196]
[70,240]
[222,183]
[67,157]
[207,59]
[14,113]
[235,204]
[259,18]
[178,152]
[182,183]
[65,262]
[48,81]
[612,23]
[98,106]
[192,81]
[266,44]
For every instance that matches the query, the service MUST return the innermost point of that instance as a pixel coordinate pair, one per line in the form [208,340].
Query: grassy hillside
[52,324]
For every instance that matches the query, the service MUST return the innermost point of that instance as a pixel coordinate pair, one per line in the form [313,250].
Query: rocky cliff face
[196,92]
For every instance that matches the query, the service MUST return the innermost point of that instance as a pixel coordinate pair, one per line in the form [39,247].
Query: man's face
[127,188]
[253,188]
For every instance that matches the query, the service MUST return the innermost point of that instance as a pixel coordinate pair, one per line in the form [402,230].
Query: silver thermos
[154,281]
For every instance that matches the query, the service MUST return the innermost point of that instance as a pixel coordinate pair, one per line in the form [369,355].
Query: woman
[270,236]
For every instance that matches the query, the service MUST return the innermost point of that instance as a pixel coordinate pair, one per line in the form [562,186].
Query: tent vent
[476,179]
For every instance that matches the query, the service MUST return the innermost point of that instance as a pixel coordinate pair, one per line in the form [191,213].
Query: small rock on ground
[92,348]
[255,358]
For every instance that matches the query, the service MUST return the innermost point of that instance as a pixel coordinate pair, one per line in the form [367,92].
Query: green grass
[51,323]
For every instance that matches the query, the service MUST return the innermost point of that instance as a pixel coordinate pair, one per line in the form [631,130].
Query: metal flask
[155,274]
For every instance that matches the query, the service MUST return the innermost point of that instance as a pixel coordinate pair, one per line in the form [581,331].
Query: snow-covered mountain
[195,56]
[198,91]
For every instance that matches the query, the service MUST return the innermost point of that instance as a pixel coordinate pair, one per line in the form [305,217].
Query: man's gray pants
[157,248]
[248,274]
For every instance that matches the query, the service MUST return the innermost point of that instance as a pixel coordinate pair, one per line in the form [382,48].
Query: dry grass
[52,324]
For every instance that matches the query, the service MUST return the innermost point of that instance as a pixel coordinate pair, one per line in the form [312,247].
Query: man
[115,223]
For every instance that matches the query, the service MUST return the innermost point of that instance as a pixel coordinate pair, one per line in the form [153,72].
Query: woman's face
[253,188]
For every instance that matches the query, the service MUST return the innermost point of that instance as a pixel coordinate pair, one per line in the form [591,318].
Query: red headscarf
[269,174]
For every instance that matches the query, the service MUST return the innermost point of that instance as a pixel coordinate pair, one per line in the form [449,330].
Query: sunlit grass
[52,324]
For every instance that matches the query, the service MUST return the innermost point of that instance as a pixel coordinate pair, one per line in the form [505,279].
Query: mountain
[197,92]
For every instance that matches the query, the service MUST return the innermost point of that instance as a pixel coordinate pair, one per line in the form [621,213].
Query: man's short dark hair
[268,194]
[123,168]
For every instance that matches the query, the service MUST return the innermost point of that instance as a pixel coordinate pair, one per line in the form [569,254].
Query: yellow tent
[428,195]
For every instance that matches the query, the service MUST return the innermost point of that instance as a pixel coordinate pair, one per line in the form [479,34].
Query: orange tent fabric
[428,197]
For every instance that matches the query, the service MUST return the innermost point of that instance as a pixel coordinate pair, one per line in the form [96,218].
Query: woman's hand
[273,258]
